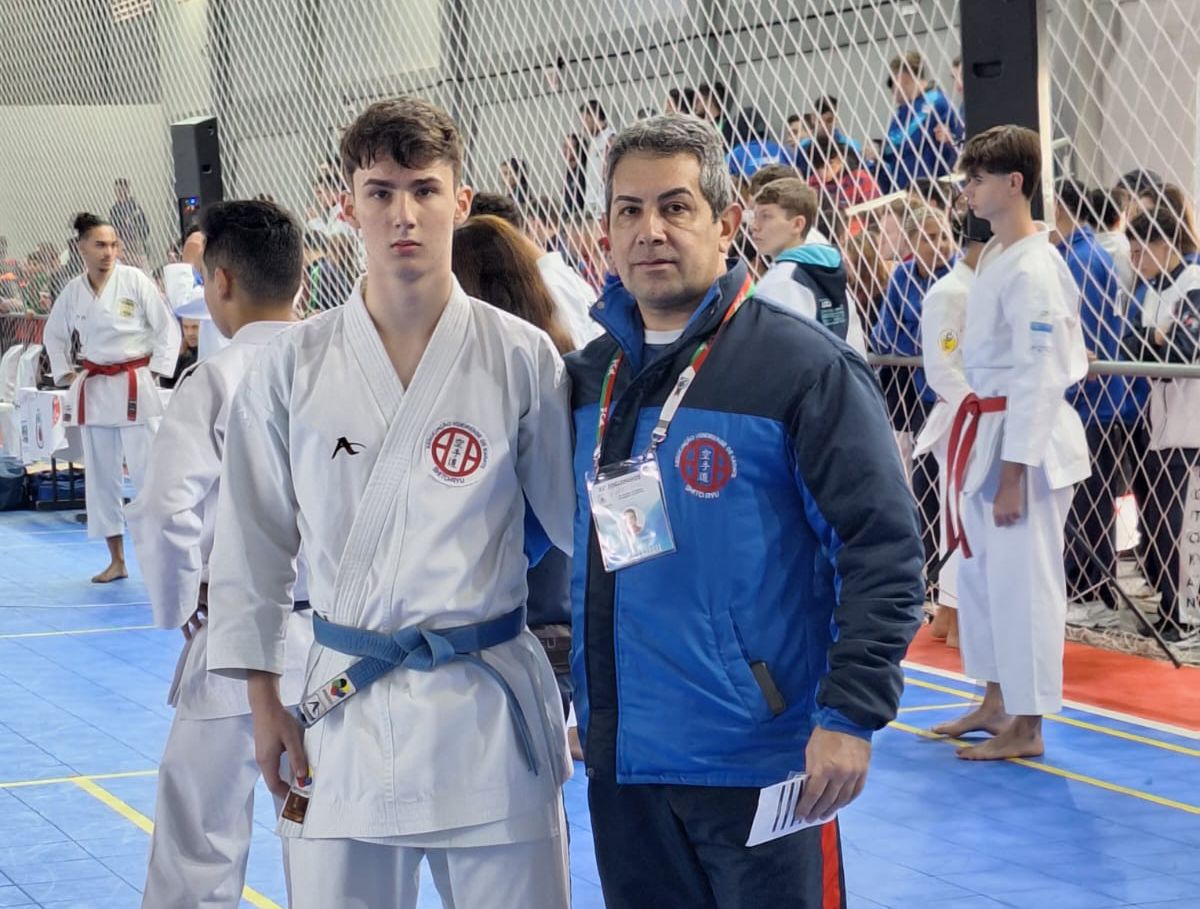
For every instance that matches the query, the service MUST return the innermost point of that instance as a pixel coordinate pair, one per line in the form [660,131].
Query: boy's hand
[1009,506]
[275,731]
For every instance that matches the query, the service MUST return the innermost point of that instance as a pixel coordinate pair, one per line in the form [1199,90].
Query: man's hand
[836,768]
[1009,506]
[275,731]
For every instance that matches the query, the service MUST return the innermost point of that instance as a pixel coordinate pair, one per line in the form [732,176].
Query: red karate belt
[129,367]
[962,439]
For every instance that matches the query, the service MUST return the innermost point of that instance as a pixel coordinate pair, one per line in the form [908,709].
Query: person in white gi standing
[1016,449]
[417,442]
[204,810]
[125,333]
[943,319]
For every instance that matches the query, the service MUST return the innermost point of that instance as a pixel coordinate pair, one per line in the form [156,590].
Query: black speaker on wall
[1006,72]
[196,150]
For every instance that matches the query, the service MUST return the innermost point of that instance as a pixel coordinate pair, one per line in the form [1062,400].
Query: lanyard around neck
[682,384]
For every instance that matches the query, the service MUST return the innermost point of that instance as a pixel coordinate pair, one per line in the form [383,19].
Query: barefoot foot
[1013,742]
[981,719]
[113,572]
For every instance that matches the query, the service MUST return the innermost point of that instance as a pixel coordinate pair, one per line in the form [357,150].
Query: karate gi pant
[1013,595]
[105,450]
[354,874]
[203,816]
[685,846]
[1171,517]
[1094,517]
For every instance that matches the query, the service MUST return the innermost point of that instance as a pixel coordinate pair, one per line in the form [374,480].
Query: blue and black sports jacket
[797,583]
[1099,399]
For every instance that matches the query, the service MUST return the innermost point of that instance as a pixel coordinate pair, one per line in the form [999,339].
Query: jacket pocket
[752,678]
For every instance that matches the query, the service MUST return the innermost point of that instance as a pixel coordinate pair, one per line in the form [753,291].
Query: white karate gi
[205,804]
[409,504]
[127,320]
[943,318]
[573,297]
[1022,340]
[778,286]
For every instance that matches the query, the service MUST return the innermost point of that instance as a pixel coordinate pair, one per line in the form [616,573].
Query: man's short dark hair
[1075,198]
[1005,150]
[595,108]
[500,206]
[826,104]
[676,134]
[793,118]
[259,244]
[1106,207]
[957,61]
[411,131]
[824,150]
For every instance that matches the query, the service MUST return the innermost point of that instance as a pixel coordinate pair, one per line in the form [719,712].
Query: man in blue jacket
[766,626]
[924,131]
[1102,402]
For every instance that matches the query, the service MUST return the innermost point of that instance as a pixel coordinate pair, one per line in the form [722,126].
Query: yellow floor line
[1068,721]
[56,634]
[1065,774]
[50,781]
[139,820]
[924,707]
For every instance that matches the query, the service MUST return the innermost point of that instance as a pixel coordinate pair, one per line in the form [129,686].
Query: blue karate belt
[420,649]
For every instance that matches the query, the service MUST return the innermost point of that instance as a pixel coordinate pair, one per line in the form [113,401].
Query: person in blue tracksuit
[767,635]
[1102,402]
[924,132]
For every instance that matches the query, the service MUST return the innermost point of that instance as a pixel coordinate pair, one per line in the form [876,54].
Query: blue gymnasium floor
[1111,819]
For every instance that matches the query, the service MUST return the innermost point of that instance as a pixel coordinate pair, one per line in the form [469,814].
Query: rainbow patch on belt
[340,687]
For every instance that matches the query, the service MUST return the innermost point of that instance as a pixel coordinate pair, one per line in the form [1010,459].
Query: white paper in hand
[776,814]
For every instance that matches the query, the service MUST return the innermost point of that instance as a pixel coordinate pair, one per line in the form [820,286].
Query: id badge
[629,510]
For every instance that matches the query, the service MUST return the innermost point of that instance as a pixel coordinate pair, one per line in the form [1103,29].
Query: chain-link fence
[858,97]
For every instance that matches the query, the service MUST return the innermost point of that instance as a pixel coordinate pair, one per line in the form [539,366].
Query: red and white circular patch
[706,464]
[458,451]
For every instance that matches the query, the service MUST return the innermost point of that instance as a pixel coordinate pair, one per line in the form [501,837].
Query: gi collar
[618,312]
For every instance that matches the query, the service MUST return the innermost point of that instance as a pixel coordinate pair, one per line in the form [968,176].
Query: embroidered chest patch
[458,452]
[706,464]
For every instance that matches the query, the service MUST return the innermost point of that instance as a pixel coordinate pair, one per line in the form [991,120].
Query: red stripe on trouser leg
[831,864]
